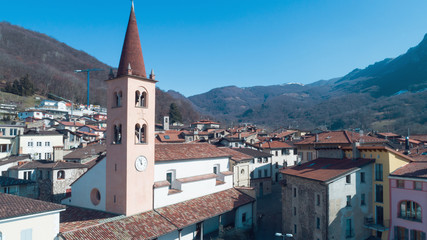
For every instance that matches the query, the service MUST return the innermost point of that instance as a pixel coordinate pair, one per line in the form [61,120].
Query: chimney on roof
[240,135]
[316,138]
[58,153]
[356,153]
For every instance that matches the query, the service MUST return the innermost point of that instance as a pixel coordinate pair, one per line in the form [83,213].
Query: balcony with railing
[376,225]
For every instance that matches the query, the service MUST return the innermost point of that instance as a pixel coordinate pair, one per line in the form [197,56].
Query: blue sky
[195,46]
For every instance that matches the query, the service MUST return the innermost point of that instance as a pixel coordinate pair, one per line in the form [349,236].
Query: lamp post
[284,236]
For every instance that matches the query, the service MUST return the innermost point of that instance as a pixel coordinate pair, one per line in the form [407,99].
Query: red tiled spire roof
[132,51]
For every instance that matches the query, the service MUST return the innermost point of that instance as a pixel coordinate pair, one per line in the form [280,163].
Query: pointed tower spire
[132,51]
[152,75]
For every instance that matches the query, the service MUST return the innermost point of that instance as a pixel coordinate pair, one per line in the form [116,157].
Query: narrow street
[269,219]
[269,208]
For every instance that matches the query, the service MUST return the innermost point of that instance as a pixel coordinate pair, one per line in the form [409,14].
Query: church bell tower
[130,133]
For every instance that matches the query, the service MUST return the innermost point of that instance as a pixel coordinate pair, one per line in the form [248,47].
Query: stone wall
[302,210]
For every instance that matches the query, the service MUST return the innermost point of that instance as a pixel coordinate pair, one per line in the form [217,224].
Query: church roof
[151,224]
[132,51]
[187,151]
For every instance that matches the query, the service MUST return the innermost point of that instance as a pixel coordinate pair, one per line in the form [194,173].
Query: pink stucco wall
[407,193]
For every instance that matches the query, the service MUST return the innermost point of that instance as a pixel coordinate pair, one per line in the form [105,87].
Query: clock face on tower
[141,163]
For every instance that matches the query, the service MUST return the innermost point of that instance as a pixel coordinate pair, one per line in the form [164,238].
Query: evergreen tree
[174,113]
[22,87]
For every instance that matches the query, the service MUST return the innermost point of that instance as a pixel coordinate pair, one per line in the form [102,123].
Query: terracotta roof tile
[236,155]
[325,169]
[12,159]
[340,137]
[96,128]
[87,134]
[186,151]
[48,164]
[241,134]
[413,169]
[192,211]
[227,173]
[16,206]
[155,223]
[161,184]
[252,152]
[90,150]
[282,134]
[410,140]
[388,134]
[272,145]
[419,154]
[421,137]
[147,225]
[77,124]
[170,137]
[75,218]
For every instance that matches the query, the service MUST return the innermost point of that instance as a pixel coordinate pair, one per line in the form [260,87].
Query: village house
[204,125]
[34,114]
[239,139]
[20,187]
[39,144]
[86,154]
[388,136]
[408,192]
[308,148]
[72,140]
[8,135]
[30,219]
[53,178]
[260,170]
[6,163]
[11,131]
[284,136]
[386,161]
[283,155]
[98,131]
[240,165]
[72,126]
[171,136]
[327,198]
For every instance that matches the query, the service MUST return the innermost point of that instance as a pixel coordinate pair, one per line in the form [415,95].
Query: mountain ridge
[50,65]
